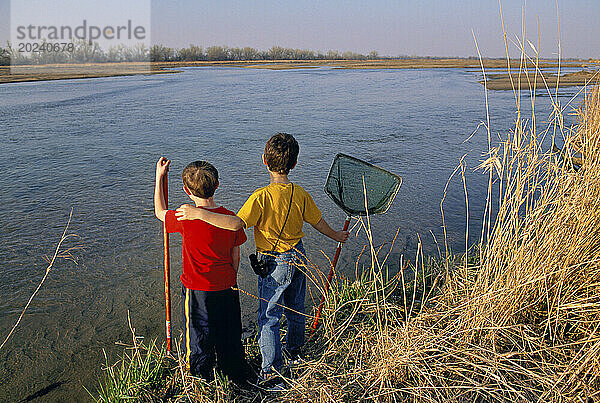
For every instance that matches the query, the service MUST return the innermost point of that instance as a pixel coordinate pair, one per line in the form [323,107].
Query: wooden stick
[167,263]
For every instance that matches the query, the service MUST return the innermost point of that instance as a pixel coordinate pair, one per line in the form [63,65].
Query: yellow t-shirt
[265,210]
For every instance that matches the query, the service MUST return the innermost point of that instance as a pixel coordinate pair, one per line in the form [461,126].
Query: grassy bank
[517,319]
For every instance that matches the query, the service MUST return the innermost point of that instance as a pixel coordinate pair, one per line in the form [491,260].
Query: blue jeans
[285,285]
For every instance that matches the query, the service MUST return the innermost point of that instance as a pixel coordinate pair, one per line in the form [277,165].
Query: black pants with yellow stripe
[212,332]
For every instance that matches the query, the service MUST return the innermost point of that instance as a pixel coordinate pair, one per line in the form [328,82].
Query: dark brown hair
[281,153]
[201,179]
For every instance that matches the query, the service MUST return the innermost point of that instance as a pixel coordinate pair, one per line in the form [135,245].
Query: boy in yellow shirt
[277,213]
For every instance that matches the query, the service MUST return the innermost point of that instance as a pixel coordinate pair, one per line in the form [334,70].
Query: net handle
[329,276]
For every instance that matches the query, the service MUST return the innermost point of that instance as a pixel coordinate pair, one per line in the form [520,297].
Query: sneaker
[291,357]
[271,382]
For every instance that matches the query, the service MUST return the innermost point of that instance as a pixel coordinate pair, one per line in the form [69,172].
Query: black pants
[213,329]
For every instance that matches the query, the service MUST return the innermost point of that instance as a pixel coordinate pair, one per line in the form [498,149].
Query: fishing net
[346,187]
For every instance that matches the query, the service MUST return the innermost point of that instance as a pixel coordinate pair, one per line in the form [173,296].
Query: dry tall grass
[520,324]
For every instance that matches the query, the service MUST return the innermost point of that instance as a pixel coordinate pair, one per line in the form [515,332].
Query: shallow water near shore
[91,145]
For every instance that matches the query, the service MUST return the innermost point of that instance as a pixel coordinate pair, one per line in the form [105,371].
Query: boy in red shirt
[211,257]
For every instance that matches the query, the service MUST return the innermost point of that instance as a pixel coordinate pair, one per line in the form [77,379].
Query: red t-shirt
[207,261]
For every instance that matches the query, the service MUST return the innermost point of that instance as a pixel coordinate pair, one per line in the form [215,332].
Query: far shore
[531,80]
[499,80]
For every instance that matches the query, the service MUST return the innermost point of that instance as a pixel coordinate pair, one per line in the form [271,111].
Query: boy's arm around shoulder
[160,205]
[224,221]
[247,217]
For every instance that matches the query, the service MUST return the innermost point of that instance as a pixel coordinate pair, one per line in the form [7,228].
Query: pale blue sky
[401,27]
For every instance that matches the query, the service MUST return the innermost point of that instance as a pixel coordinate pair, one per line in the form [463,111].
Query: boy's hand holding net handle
[165,186]
[329,276]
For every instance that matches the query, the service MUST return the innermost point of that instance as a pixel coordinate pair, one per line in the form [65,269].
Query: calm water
[91,145]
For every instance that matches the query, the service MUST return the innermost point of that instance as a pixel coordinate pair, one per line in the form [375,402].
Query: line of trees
[84,52]
[160,53]
[76,52]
